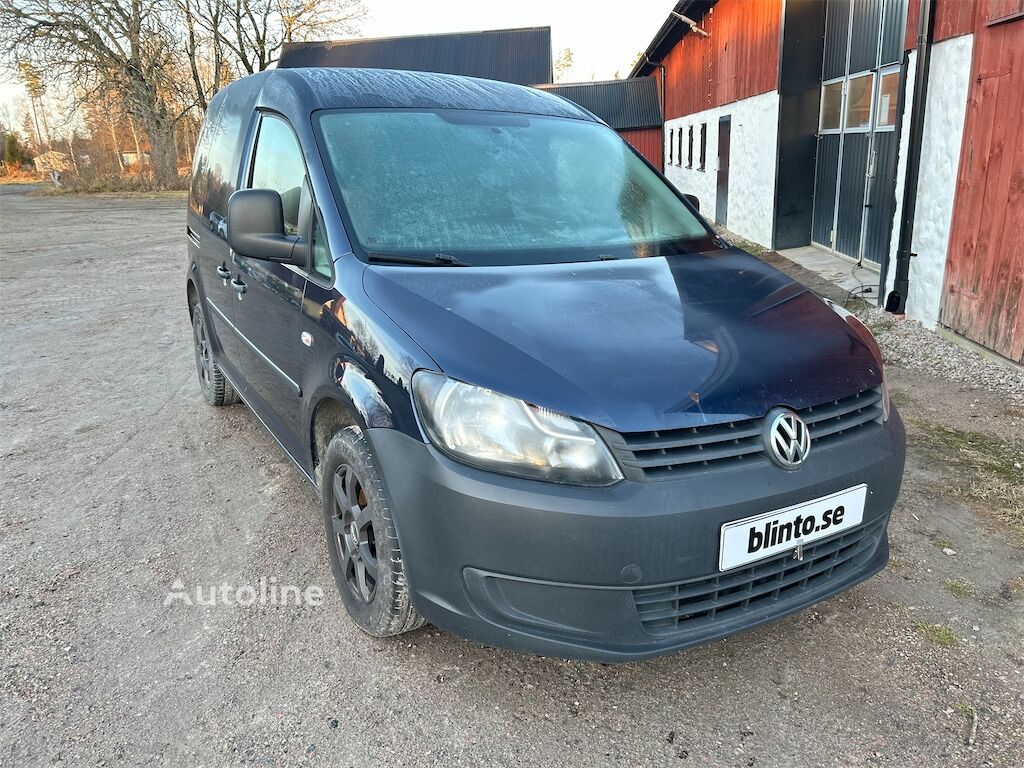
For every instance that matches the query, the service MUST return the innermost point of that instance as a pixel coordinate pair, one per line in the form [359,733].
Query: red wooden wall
[646,141]
[985,263]
[959,17]
[952,19]
[739,60]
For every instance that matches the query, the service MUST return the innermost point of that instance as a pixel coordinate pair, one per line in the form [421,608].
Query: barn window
[689,150]
[888,93]
[703,145]
[858,102]
[679,147]
[831,106]
[671,143]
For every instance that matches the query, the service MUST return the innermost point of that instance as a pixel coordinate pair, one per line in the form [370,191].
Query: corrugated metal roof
[670,33]
[521,56]
[623,104]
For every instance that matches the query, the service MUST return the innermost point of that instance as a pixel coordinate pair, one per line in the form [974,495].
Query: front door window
[278,165]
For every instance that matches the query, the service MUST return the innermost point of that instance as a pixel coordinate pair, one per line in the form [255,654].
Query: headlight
[501,433]
[865,335]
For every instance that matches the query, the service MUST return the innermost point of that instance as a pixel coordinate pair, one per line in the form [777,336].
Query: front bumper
[594,572]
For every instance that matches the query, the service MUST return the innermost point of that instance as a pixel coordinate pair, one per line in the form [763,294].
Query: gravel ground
[917,348]
[118,481]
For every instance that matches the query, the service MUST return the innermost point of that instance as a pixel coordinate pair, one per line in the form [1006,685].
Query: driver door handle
[239,287]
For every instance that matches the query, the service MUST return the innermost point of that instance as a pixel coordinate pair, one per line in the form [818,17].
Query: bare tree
[255,31]
[164,59]
[123,45]
[203,21]
[225,39]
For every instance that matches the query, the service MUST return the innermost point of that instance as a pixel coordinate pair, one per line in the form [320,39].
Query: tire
[361,541]
[216,389]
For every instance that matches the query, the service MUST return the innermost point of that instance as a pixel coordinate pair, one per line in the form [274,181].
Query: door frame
[842,131]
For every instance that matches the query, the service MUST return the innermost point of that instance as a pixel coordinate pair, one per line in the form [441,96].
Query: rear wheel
[216,389]
[362,543]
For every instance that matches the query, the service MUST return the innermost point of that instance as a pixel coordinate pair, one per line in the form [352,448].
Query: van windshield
[489,188]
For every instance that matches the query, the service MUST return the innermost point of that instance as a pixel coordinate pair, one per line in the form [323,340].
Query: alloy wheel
[203,358]
[354,535]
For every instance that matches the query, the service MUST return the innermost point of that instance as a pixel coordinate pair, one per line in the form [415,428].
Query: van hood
[635,344]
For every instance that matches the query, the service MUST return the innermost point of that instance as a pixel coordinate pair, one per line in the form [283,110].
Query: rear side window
[216,165]
[278,165]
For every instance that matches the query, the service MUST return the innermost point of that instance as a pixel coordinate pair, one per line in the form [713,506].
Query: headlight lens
[497,432]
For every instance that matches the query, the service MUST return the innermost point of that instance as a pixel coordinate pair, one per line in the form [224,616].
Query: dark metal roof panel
[308,89]
[520,56]
[623,104]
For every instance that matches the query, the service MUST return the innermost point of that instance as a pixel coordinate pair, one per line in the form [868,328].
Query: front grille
[703,604]
[673,453]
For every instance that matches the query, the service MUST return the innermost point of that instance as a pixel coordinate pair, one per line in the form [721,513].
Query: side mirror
[692,200]
[256,228]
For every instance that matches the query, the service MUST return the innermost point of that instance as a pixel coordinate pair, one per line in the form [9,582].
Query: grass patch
[880,327]
[900,398]
[943,543]
[937,634]
[972,450]
[959,588]
[976,468]
[966,710]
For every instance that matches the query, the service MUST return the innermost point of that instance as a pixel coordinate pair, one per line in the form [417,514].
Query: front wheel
[361,539]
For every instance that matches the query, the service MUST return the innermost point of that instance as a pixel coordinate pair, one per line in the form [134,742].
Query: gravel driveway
[118,481]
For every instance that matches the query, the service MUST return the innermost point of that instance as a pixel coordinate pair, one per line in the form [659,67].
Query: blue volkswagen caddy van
[544,405]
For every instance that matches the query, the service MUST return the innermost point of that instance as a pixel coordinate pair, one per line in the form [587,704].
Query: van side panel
[215,176]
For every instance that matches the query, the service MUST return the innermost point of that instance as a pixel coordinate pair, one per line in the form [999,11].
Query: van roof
[312,88]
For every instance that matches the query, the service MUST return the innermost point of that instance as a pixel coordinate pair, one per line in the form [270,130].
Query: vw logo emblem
[787,438]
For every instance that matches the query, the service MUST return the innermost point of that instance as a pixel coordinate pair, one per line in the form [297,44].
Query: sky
[604,40]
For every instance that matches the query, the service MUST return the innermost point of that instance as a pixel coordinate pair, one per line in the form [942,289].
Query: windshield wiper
[438,259]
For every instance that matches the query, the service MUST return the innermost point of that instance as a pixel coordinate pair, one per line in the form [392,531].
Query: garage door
[855,173]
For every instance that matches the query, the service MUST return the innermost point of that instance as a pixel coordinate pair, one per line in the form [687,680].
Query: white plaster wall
[948,86]
[753,149]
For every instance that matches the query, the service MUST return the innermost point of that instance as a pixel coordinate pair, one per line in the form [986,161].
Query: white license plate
[754,538]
